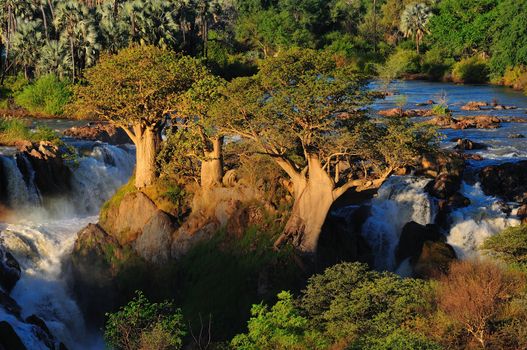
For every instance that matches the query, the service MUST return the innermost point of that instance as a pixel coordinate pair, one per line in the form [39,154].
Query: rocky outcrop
[155,240]
[92,271]
[97,131]
[52,175]
[125,220]
[508,181]
[476,122]
[407,113]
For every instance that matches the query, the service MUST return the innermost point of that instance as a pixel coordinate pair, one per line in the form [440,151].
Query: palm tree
[27,42]
[113,26]
[414,21]
[74,22]
[54,58]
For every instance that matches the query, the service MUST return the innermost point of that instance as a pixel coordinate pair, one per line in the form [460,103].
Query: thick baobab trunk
[212,165]
[314,195]
[147,141]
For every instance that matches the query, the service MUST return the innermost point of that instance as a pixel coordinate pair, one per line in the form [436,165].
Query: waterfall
[473,224]
[399,201]
[41,237]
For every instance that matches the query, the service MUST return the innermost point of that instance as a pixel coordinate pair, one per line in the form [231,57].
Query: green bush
[47,95]
[400,63]
[348,305]
[12,130]
[145,325]
[509,245]
[435,65]
[473,70]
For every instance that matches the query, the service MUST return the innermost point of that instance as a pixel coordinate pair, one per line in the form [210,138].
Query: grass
[13,130]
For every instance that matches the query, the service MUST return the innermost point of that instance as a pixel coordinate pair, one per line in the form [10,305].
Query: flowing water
[401,200]
[40,237]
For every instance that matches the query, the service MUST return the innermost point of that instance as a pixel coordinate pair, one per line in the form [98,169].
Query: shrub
[146,326]
[47,95]
[515,77]
[475,294]
[281,327]
[435,65]
[12,130]
[473,70]
[400,63]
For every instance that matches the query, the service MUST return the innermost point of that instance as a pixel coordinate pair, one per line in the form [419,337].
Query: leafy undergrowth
[222,278]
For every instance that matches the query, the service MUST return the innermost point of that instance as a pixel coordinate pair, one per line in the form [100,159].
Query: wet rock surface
[507,180]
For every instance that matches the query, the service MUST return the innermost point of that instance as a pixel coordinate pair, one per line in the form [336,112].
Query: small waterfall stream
[40,237]
[399,201]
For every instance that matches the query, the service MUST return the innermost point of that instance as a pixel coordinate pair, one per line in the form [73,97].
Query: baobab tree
[307,115]
[138,89]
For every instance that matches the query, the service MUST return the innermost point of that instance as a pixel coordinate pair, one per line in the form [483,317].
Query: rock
[125,221]
[522,214]
[408,113]
[443,121]
[154,244]
[412,239]
[434,260]
[9,340]
[516,136]
[444,186]
[42,331]
[508,181]
[457,200]
[98,131]
[52,175]
[92,272]
[477,122]
[468,145]
[9,270]
[9,304]
[474,106]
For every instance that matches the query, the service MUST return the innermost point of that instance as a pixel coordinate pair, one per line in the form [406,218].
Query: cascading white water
[399,201]
[40,238]
[473,224]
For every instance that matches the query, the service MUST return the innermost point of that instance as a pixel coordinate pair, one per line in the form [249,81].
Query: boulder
[516,136]
[126,219]
[9,340]
[434,260]
[154,243]
[507,180]
[412,239]
[9,270]
[45,163]
[468,145]
[474,106]
[42,331]
[477,122]
[9,304]
[522,213]
[92,269]
[97,131]
[444,186]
